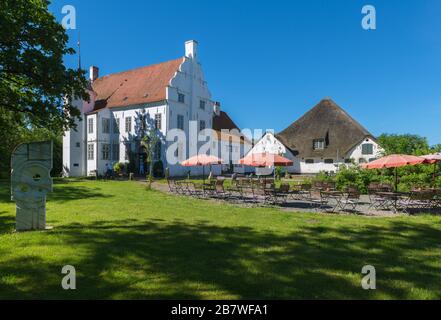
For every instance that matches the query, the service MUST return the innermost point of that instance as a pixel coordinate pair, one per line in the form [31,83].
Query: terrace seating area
[317,196]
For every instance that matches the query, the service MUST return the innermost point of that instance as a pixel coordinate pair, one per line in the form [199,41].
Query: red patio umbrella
[265,160]
[201,160]
[432,159]
[394,161]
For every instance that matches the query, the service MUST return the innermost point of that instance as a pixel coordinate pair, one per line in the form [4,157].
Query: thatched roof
[326,121]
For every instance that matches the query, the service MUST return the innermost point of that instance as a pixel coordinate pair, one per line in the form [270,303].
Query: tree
[150,143]
[33,79]
[404,144]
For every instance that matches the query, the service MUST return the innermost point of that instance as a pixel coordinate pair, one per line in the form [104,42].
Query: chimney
[217,108]
[191,49]
[94,73]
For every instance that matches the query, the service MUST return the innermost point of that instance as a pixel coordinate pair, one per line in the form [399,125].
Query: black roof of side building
[326,121]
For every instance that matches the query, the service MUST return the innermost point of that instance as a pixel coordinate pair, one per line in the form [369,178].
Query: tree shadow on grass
[159,260]
[64,192]
[7,222]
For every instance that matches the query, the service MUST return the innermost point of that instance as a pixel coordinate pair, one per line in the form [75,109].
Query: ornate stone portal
[31,164]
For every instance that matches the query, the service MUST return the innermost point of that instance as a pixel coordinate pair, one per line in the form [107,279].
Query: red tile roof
[141,85]
[223,121]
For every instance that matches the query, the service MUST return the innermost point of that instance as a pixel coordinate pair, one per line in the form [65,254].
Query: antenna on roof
[79,50]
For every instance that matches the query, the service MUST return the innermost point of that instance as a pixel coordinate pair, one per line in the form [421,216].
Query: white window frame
[128,124]
[90,151]
[91,124]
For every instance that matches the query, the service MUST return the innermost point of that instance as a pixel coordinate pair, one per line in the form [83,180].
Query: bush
[278,172]
[119,167]
[158,169]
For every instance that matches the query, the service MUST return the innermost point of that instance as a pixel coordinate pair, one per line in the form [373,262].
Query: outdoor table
[390,200]
[335,195]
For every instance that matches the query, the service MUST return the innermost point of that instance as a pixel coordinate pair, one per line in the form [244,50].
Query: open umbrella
[394,161]
[266,160]
[432,159]
[201,160]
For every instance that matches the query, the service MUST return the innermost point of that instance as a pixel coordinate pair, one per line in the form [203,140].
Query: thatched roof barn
[325,131]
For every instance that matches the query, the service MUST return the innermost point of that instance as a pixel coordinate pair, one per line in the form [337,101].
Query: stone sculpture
[31,164]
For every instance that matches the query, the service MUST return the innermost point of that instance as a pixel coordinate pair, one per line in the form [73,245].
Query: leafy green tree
[150,142]
[33,79]
[404,144]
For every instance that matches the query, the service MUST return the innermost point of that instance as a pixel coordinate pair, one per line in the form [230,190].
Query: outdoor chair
[172,186]
[196,189]
[258,190]
[219,189]
[282,193]
[350,200]
[320,202]
[295,192]
[235,189]
[376,200]
[417,200]
[305,192]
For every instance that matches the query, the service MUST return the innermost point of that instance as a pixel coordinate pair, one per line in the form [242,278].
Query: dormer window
[318,144]
[367,149]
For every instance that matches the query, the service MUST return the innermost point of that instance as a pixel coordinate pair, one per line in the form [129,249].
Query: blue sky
[268,62]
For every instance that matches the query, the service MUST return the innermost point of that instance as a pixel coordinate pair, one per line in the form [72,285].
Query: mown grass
[126,242]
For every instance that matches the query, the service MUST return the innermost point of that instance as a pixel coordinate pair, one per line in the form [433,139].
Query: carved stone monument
[31,164]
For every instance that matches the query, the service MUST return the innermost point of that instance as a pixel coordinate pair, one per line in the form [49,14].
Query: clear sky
[268,62]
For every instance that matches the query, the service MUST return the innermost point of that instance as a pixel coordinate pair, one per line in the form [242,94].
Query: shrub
[119,167]
[279,172]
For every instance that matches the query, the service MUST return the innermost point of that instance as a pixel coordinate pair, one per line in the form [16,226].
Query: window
[105,151]
[142,121]
[128,124]
[202,104]
[128,149]
[90,122]
[367,148]
[318,144]
[181,97]
[329,161]
[158,121]
[115,151]
[309,161]
[106,125]
[180,122]
[90,151]
[78,144]
[179,150]
[116,126]
[201,125]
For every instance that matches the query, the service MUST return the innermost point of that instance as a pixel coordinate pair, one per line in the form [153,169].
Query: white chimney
[94,73]
[191,49]
[217,108]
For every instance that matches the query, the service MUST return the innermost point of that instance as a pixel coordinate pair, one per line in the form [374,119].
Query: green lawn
[126,242]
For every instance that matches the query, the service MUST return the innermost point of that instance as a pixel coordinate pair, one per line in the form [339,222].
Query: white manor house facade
[168,95]
[174,95]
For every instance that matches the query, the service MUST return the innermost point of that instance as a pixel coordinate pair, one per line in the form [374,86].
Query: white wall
[356,152]
[73,155]
[269,143]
